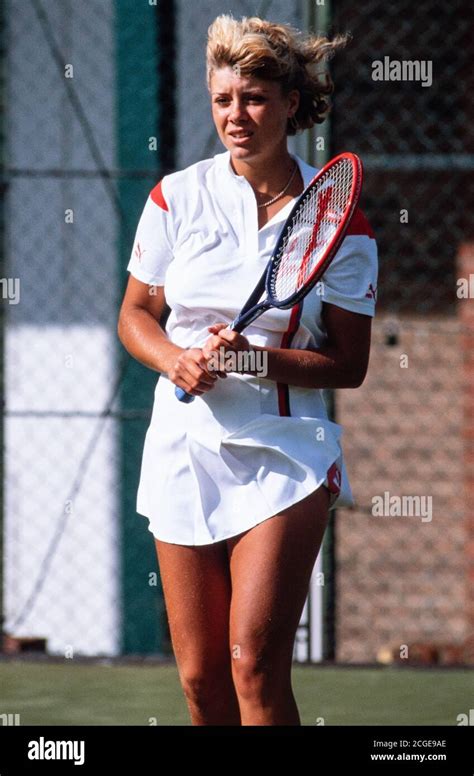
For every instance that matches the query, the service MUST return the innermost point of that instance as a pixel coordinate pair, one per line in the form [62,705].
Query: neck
[268,175]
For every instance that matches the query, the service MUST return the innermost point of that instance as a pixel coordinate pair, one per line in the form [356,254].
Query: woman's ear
[294,102]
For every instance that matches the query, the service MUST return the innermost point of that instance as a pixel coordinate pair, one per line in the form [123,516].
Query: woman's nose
[237,112]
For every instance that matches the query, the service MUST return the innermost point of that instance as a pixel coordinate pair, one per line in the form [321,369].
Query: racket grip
[181,395]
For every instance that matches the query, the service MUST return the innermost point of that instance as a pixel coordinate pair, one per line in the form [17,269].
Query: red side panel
[283,388]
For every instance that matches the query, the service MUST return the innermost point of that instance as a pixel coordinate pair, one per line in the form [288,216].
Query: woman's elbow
[122,326]
[355,382]
[357,376]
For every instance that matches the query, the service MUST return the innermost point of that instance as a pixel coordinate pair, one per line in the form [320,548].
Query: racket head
[314,230]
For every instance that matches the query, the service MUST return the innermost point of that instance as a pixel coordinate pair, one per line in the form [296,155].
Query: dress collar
[223,162]
[307,173]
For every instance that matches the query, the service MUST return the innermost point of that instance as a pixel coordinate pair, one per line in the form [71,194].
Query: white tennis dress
[249,448]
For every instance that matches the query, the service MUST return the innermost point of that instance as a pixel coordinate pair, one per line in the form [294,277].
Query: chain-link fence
[403,579]
[102,98]
[78,570]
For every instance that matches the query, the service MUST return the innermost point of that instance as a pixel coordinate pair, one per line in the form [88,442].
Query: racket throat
[245,319]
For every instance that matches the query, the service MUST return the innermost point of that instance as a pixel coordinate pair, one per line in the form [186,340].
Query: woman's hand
[189,371]
[222,342]
[196,370]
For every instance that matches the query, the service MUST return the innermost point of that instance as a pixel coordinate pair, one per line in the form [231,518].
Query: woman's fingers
[229,340]
[196,369]
[222,342]
[216,327]
[212,344]
[190,372]
[213,359]
[211,351]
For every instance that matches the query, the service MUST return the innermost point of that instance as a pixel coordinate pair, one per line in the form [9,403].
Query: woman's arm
[141,334]
[340,363]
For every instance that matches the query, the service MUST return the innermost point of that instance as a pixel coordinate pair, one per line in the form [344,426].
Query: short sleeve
[350,281]
[152,248]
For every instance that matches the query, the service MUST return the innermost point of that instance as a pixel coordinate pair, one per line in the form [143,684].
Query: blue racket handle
[181,395]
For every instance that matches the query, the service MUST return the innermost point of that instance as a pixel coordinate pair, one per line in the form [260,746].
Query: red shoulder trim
[157,196]
[359,225]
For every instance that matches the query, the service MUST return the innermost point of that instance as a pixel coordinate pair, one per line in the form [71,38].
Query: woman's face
[250,114]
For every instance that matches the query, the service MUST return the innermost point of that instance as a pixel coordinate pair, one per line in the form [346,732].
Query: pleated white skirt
[224,463]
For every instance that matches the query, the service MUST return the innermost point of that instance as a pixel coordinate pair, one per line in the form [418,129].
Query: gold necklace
[282,192]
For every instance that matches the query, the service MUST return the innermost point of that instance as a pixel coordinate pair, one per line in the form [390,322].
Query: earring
[294,122]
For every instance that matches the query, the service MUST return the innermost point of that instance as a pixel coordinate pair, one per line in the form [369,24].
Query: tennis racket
[308,242]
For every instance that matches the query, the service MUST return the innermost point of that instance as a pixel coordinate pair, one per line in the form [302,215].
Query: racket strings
[312,229]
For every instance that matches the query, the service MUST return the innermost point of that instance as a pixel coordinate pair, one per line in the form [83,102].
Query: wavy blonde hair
[277,52]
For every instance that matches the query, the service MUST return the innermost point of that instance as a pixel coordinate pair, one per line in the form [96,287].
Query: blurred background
[101,99]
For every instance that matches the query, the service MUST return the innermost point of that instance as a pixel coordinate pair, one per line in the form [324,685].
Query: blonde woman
[237,485]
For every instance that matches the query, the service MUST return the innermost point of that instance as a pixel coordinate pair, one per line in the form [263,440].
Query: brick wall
[466,315]
[402,581]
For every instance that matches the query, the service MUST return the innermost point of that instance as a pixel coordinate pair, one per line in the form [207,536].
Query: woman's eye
[256,99]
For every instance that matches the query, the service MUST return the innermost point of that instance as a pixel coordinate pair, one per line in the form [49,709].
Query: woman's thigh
[197,590]
[271,566]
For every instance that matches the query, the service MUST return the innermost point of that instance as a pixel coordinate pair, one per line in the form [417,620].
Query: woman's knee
[204,684]
[260,671]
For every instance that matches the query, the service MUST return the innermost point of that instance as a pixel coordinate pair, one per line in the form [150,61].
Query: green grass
[109,694]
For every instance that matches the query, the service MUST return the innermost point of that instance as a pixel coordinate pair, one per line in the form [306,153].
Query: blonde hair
[277,52]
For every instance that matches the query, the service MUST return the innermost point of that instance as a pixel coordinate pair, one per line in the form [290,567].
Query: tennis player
[237,485]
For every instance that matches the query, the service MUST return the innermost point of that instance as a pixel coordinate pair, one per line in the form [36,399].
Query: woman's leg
[197,590]
[271,568]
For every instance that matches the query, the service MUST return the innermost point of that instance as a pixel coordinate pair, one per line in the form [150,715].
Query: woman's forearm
[145,340]
[321,368]
[341,362]
[142,336]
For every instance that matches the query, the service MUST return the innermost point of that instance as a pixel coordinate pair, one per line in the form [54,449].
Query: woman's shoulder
[194,173]
[183,188]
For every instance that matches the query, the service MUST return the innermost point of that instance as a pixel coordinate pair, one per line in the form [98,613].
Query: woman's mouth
[241,136]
